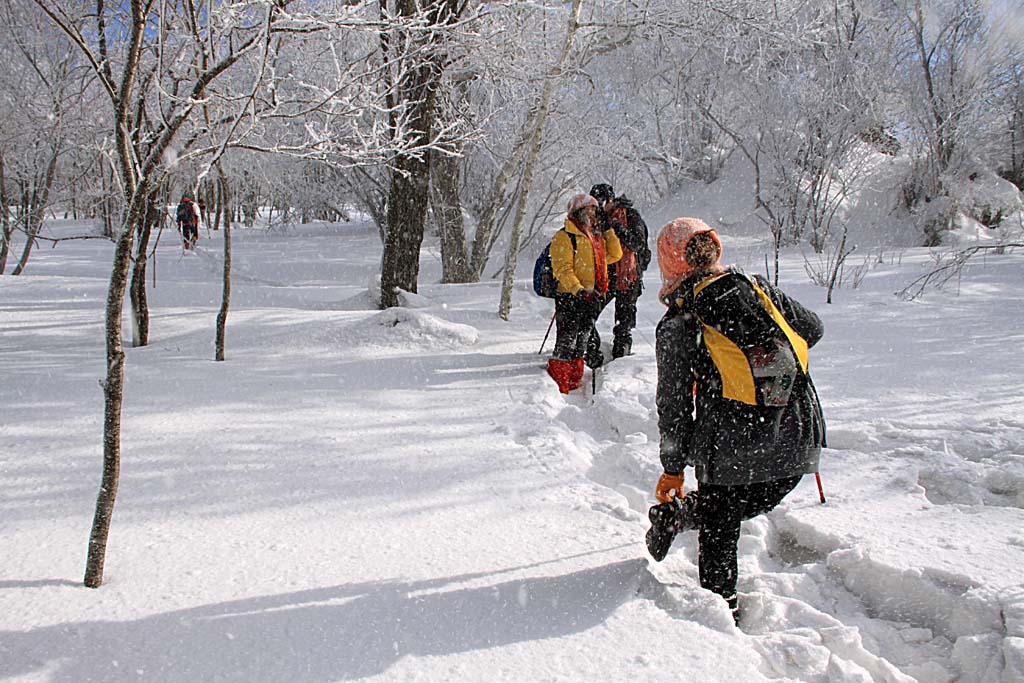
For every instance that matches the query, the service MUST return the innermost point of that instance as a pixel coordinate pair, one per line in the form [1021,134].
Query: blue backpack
[544,282]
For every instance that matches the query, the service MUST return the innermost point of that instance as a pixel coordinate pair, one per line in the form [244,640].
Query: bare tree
[957,61]
[124,73]
[830,271]
[536,125]
[36,123]
[950,267]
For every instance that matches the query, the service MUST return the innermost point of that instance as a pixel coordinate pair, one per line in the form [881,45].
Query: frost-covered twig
[947,268]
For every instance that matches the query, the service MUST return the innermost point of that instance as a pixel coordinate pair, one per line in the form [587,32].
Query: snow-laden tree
[956,57]
[43,94]
[1011,141]
[165,69]
[501,86]
[416,50]
[127,46]
[791,86]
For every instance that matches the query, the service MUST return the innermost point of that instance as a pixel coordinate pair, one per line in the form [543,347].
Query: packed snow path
[403,495]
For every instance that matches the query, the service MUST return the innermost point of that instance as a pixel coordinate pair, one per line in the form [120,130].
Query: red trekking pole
[821,492]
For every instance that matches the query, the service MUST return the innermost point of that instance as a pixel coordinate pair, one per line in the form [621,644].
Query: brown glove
[668,487]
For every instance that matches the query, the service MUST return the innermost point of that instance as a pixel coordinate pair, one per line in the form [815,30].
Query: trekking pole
[821,492]
[550,324]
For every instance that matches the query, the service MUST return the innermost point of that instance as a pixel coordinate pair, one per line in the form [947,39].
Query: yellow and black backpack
[755,350]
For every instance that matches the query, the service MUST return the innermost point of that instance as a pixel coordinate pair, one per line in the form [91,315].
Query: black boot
[593,357]
[622,346]
[668,520]
[734,607]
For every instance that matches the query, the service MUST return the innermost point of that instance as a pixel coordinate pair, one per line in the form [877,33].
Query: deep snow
[404,495]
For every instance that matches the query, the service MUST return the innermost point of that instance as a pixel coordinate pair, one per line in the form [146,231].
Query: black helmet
[602,192]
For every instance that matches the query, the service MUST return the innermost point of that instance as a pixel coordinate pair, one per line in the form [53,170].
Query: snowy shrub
[989,199]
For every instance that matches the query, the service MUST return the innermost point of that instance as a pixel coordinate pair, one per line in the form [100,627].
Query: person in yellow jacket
[580,256]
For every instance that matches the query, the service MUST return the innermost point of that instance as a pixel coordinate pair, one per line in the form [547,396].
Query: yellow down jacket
[575,271]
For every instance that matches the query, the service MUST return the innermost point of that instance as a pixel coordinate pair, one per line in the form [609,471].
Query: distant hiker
[750,449]
[188,221]
[626,276]
[202,214]
[580,256]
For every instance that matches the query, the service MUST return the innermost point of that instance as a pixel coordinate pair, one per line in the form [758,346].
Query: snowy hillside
[404,495]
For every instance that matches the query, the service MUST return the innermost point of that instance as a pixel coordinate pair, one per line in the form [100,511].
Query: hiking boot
[668,520]
[734,609]
[622,346]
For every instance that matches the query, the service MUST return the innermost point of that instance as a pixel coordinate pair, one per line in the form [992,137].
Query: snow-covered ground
[405,496]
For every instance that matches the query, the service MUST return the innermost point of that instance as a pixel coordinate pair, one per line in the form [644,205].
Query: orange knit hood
[672,241]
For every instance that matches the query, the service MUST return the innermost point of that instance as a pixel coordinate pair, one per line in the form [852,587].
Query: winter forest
[321,445]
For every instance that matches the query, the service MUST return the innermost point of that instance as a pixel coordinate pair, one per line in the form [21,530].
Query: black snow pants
[574,320]
[720,509]
[625,312]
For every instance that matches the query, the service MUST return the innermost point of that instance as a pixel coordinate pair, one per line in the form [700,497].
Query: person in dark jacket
[626,276]
[188,222]
[580,256]
[747,458]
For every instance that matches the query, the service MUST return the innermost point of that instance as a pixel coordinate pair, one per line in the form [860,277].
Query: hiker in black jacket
[626,276]
[188,222]
[747,457]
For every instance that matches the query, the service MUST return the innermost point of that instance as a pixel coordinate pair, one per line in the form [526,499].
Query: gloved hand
[669,486]
[589,295]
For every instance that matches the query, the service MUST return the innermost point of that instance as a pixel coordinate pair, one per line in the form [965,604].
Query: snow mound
[404,327]
[405,299]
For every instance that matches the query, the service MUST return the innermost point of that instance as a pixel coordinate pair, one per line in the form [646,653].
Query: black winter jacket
[728,442]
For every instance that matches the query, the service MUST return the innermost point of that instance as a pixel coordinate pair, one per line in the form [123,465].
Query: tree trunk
[135,190]
[485,227]
[410,185]
[36,211]
[106,204]
[222,315]
[219,204]
[209,199]
[407,212]
[5,220]
[137,288]
[113,392]
[841,255]
[448,208]
[537,132]
[31,230]
[776,244]
[409,195]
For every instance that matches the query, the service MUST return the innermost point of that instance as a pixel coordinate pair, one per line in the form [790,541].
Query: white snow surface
[405,496]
